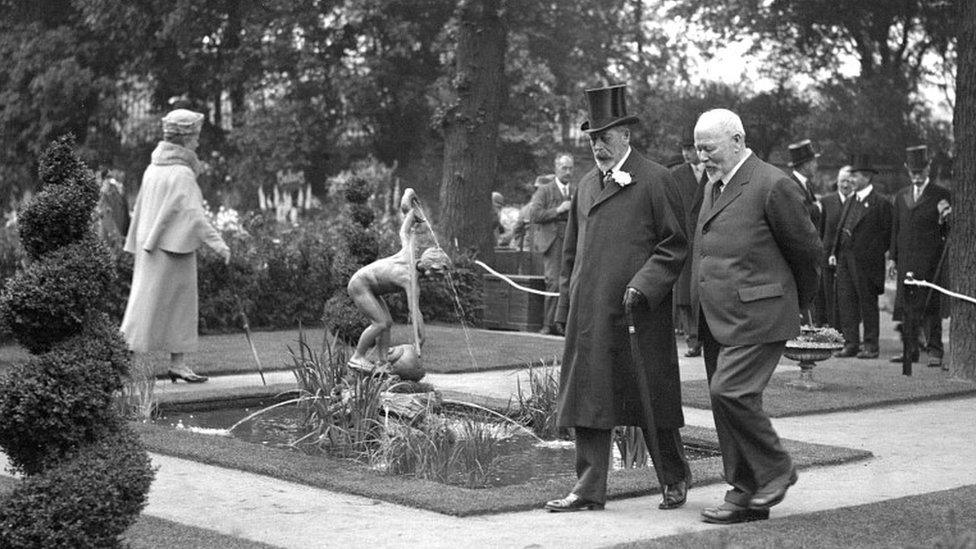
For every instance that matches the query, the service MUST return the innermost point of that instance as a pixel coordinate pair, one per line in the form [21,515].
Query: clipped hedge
[52,298]
[87,501]
[56,217]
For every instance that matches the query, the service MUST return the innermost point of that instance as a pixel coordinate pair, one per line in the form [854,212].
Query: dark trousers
[752,454]
[687,322]
[552,263]
[593,460]
[927,319]
[857,303]
[825,302]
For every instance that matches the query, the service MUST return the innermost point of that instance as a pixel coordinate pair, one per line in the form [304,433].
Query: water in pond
[522,458]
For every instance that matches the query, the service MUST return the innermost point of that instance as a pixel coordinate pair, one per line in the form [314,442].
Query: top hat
[917,158]
[608,108]
[801,152]
[861,163]
[688,136]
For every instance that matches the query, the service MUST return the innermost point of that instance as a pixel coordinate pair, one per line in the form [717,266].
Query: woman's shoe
[186,376]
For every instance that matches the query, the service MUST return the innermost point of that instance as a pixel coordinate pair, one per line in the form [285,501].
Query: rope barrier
[909,280]
[514,284]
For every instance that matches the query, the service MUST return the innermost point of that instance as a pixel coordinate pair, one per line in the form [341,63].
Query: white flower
[621,178]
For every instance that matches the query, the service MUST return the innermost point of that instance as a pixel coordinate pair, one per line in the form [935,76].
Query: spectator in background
[918,234]
[858,252]
[825,305]
[168,226]
[804,163]
[112,211]
[548,211]
[691,179]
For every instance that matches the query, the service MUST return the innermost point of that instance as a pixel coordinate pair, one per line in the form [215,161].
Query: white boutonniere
[622,178]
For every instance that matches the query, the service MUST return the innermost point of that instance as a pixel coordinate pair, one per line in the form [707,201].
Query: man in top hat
[624,247]
[833,205]
[756,264]
[858,252]
[548,211]
[918,234]
[691,179]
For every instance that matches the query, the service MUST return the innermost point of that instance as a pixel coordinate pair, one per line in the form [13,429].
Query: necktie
[607,179]
[918,193]
[716,190]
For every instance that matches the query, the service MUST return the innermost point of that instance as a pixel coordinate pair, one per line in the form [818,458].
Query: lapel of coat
[613,188]
[909,199]
[730,192]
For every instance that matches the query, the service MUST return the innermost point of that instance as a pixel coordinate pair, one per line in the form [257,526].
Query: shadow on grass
[353,478]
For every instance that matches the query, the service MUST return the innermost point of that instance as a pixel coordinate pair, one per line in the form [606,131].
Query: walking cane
[650,427]
[247,335]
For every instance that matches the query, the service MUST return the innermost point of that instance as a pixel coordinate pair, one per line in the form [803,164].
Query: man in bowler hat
[918,234]
[803,161]
[624,247]
[858,252]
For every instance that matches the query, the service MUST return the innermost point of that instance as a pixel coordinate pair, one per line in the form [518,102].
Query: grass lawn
[350,477]
[849,385]
[937,519]
[447,349]
[151,532]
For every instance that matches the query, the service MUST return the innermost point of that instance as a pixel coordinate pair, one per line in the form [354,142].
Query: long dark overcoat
[618,237]
[917,239]
[690,190]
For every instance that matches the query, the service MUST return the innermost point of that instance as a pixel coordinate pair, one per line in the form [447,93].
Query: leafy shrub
[52,404]
[343,318]
[57,216]
[59,164]
[88,501]
[99,340]
[51,299]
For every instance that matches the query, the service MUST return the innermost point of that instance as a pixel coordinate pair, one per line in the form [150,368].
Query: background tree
[470,123]
[962,249]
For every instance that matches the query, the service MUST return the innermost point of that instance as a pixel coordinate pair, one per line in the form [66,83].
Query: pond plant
[85,473]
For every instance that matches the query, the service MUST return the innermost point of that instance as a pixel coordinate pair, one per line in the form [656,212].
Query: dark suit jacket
[809,201]
[832,208]
[757,257]
[690,190]
[549,224]
[619,237]
[870,236]
[917,237]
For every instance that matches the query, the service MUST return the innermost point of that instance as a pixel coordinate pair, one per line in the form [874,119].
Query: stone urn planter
[810,347]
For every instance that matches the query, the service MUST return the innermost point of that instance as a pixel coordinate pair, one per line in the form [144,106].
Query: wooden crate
[521,262]
[507,308]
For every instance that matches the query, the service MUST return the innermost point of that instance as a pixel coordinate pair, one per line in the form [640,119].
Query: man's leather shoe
[729,513]
[774,491]
[694,351]
[572,502]
[846,352]
[901,358]
[674,495]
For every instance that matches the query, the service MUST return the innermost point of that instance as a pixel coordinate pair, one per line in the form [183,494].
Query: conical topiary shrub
[86,474]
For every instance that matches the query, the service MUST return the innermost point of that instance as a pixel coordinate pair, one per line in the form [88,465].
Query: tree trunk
[962,249]
[471,128]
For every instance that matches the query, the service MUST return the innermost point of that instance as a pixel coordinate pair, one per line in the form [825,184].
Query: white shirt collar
[842,197]
[801,178]
[922,188]
[863,193]
[731,173]
[564,187]
[616,167]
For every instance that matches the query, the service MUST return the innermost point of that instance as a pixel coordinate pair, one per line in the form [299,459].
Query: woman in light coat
[168,225]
